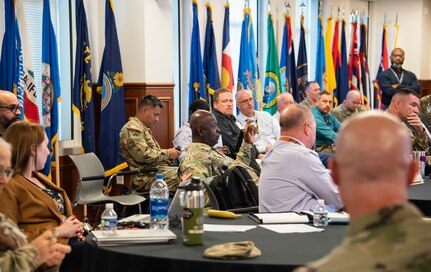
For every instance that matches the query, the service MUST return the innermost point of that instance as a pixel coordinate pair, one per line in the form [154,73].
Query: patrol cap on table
[233,250]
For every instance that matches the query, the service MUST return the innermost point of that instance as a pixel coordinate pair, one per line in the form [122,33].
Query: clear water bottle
[320,218]
[108,221]
[159,202]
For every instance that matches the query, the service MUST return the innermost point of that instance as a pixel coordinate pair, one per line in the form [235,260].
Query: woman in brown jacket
[31,200]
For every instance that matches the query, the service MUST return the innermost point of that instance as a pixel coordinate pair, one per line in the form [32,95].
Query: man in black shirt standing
[396,78]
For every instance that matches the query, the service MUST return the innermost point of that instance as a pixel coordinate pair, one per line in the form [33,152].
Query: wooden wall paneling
[426,87]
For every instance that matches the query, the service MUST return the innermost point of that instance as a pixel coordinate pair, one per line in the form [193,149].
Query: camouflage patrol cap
[233,250]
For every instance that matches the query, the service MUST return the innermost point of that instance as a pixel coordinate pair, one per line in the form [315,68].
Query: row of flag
[17,76]
[336,70]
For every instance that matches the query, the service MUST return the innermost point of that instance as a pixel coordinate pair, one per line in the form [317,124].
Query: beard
[397,66]
[6,123]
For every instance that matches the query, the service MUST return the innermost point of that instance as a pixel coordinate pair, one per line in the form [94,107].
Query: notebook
[133,236]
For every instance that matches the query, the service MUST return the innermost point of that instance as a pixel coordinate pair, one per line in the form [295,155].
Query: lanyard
[399,79]
[289,139]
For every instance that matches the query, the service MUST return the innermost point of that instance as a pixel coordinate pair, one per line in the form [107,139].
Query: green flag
[272,86]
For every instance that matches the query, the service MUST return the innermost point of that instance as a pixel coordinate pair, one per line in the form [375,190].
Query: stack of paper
[132,236]
[285,217]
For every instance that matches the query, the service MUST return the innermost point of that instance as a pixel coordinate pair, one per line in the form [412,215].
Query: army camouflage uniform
[141,150]
[202,160]
[15,253]
[391,239]
[419,139]
[307,103]
[341,113]
[425,106]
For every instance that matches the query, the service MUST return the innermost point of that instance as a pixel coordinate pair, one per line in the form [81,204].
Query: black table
[420,195]
[280,252]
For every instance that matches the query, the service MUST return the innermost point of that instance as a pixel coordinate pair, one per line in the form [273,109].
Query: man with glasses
[396,78]
[266,126]
[10,110]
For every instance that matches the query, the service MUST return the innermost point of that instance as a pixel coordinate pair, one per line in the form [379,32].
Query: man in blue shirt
[326,125]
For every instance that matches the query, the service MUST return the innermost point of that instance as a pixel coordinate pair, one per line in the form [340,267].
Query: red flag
[226,61]
[384,63]
[354,63]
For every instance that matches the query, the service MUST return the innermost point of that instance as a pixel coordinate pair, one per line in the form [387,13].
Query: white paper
[227,228]
[286,217]
[291,228]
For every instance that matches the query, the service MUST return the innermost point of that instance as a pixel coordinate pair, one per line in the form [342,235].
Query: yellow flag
[331,82]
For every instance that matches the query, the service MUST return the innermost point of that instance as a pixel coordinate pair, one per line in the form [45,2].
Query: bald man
[396,78]
[283,100]
[350,106]
[386,233]
[293,177]
[405,106]
[202,160]
[10,110]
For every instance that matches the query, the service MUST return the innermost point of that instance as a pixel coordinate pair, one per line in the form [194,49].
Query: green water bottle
[192,213]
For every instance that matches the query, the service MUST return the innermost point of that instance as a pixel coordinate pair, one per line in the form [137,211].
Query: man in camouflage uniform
[386,232]
[142,151]
[312,91]
[349,107]
[405,106]
[202,160]
[425,107]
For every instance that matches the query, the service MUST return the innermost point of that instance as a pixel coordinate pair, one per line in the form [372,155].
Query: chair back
[91,190]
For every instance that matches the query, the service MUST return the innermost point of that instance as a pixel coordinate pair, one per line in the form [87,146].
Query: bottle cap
[321,202]
[159,176]
[109,205]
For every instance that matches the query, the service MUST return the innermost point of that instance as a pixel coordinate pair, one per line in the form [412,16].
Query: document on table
[291,228]
[227,228]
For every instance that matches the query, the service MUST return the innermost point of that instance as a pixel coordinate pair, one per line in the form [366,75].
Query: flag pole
[57,165]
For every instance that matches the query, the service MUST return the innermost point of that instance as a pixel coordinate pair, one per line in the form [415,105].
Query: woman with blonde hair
[31,200]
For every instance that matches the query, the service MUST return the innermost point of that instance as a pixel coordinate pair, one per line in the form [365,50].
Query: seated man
[386,232]
[349,107]
[267,131]
[283,100]
[326,125]
[184,134]
[312,91]
[293,177]
[10,110]
[141,150]
[202,160]
[405,106]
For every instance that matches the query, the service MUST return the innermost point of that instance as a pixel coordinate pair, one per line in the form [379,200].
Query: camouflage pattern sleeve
[244,154]
[421,140]
[22,259]
[143,149]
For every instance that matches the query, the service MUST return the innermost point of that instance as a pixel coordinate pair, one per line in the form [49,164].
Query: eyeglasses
[12,107]
[247,100]
[6,172]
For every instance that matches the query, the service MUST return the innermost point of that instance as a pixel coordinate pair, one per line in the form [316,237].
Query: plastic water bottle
[320,218]
[108,220]
[159,202]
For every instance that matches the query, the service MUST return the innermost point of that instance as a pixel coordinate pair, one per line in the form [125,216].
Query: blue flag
[110,84]
[320,55]
[248,73]
[302,67]
[11,66]
[210,65]
[51,93]
[196,81]
[226,61]
[82,87]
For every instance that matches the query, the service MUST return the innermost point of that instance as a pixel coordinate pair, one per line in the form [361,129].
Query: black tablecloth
[280,252]
[420,195]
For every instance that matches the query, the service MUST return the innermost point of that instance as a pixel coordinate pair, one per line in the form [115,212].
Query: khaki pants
[325,148]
